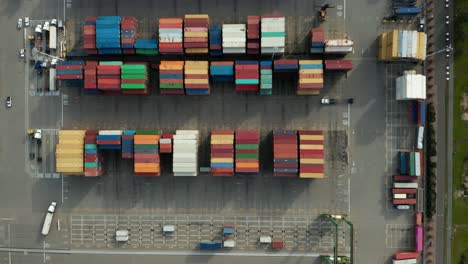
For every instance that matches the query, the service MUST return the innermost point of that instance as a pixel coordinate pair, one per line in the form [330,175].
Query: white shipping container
[170,30]
[233,30]
[405,185]
[165,140]
[338,49]
[185,155]
[170,39]
[187,132]
[417,165]
[183,174]
[183,160]
[110,132]
[234,45]
[272,50]
[185,137]
[227,26]
[185,141]
[404,44]
[420,137]
[405,261]
[279,41]
[414,48]
[399,196]
[52,75]
[182,169]
[273,19]
[233,50]
[185,165]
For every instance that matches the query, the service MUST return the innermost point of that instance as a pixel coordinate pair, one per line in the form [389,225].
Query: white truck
[48,218]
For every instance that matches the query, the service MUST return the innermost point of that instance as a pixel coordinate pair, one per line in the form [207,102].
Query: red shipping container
[221,155]
[108,142]
[404,201]
[406,255]
[244,160]
[247,170]
[311,170]
[405,178]
[195,45]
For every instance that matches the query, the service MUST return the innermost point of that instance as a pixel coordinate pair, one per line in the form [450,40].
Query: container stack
[69,152]
[165,143]
[128,33]
[216,40]
[90,80]
[108,35]
[185,153]
[266,78]
[196,33]
[317,41]
[69,70]
[222,71]
[197,81]
[146,47]
[93,165]
[134,79]
[171,35]
[222,153]
[109,139]
[253,35]
[234,38]
[410,86]
[338,65]
[286,68]
[402,45]
[273,28]
[310,77]
[146,153]
[285,158]
[247,151]
[127,144]
[90,36]
[311,154]
[108,76]
[171,77]
[247,76]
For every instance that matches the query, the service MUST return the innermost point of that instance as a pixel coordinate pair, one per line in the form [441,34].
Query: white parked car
[26,21]
[38,29]
[327,101]
[20,23]
[46,26]
[53,22]
[403,207]
[21,53]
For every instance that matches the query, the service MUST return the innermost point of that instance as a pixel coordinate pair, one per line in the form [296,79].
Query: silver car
[8,102]
[20,23]
[26,21]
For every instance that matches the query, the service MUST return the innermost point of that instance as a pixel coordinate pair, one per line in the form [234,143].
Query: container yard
[225,130]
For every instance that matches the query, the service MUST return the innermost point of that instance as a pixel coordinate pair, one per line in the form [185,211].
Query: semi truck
[48,218]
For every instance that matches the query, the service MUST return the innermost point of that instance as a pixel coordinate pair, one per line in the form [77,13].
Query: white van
[420,137]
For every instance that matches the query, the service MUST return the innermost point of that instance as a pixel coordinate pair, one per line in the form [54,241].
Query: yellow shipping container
[231,137]
[310,62]
[195,34]
[311,137]
[221,141]
[311,80]
[60,150]
[191,64]
[68,155]
[421,52]
[200,71]
[311,71]
[382,55]
[196,81]
[196,50]
[71,141]
[170,20]
[312,161]
[72,132]
[197,16]
[310,146]
[227,160]
[311,175]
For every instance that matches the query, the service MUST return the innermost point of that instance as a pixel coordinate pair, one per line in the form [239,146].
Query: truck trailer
[48,218]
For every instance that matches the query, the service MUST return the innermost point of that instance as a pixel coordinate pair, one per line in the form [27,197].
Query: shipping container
[403,162]
[405,185]
[308,85]
[419,238]
[406,255]
[404,261]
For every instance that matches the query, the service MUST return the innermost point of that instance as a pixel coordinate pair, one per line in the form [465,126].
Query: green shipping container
[134,76]
[90,146]
[412,163]
[149,132]
[171,86]
[132,86]
[91,164]
[247,156]
[246,146]
[273,34]
[110,63]
[247,81]
[149,146]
